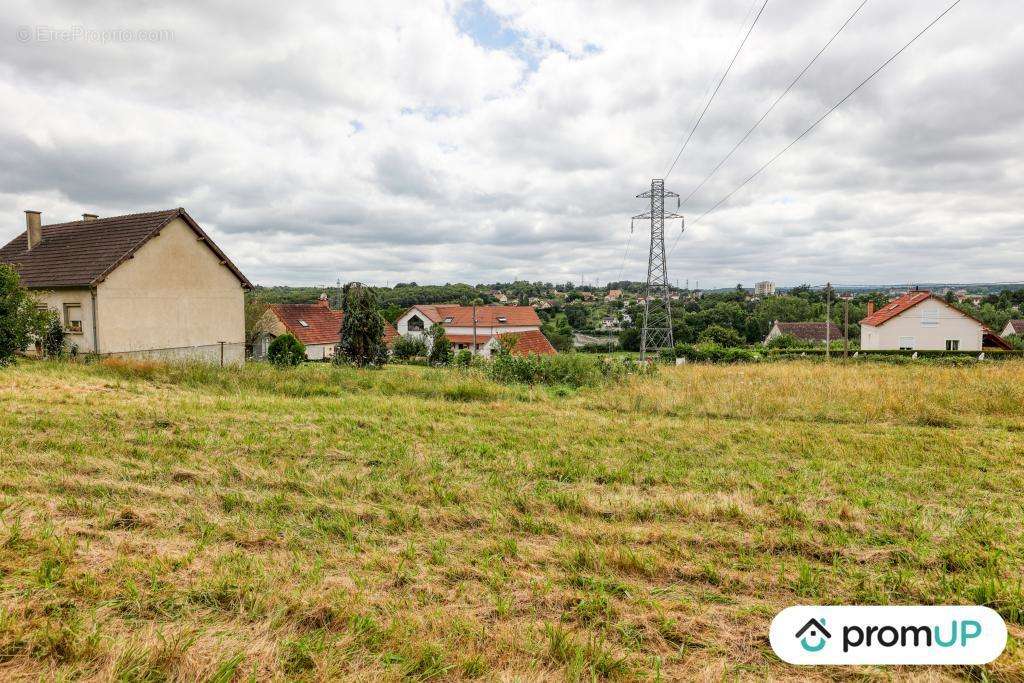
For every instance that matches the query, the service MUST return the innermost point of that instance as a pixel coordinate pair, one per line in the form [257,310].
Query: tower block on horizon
[657,329]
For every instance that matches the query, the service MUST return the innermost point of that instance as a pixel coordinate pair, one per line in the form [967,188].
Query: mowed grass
[324,523]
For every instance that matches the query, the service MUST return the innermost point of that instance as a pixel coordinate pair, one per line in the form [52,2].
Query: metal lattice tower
[657,329]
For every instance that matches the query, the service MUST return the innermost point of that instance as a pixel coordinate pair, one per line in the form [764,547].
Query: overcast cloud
[472,141]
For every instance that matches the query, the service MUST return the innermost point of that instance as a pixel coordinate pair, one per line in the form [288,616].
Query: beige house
[921,321]
[146,285]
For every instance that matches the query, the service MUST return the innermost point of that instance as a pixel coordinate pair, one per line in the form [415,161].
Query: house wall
[173,301]
[55,300]
[952,324]
[773,333]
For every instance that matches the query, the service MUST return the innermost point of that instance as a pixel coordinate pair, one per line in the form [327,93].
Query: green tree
[20,317]
[408,347]
[362,328]
[724,336]
[629,339]
[559,333]
[440,347]
[286,351]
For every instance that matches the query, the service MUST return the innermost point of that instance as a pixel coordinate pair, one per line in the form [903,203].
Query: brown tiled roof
[486,316]
[812,332]
[323,325]
[1017,326]
[83,253]
[895,307]
[532,342]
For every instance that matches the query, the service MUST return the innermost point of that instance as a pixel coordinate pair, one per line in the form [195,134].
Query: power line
[827,113]
[776,102]
[767,112]
[715,92]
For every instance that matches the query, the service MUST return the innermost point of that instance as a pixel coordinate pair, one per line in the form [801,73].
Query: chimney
[871,307]
[33,228]
[324,301]
[89,216]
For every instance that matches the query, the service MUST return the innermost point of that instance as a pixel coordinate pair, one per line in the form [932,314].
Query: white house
[491,321]
[922,321]
[1013,327]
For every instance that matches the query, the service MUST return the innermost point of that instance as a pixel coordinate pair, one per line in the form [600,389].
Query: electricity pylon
[657,329]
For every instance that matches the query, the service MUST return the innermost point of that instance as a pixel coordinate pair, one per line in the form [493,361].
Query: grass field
[322,523]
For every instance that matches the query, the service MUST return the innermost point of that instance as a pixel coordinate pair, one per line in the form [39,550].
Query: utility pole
[657,329]
[828,320]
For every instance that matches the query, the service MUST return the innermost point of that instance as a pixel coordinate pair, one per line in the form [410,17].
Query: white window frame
[955,343]
[907,343]
[67,318]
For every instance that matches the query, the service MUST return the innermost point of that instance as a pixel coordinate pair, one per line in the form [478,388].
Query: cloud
[478,141]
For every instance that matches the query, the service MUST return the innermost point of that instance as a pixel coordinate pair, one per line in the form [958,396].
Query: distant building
[811,332]
[613,295]
[499,296]
[317,326]
[925,322]
[764,288]
[1013,327]
[491,321]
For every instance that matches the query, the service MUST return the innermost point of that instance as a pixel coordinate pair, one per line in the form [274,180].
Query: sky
[474,141]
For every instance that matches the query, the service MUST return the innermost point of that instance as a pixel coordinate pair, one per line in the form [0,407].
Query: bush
[718,334]
[405,348]
[464,358]
[54,337]
[784,341]
[569,369]
[714,353]
[286,351]
[20,319]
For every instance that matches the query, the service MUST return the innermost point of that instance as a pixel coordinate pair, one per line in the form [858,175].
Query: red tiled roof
[323,325]
[895,307]
[533,341]
[83,253]
[486,316]
[813,331]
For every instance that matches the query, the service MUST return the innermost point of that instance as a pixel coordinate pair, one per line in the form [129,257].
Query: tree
[629,339]
[362,328]
[440,347]
[725,336]
[286,351]
[20,317]
[54,336]
[559,333]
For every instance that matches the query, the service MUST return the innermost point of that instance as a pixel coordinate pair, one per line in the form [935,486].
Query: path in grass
[418,523]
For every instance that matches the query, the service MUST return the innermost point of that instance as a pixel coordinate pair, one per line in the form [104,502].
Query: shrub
[569,369]
[784,341]
[54,337]
[464,358]
[405,348]
[286,350]
[715,353]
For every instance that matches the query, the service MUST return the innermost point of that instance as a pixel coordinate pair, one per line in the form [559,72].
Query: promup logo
[817,630]
[888,635]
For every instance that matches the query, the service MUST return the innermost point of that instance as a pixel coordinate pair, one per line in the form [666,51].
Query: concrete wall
[174,300]
[950,324]
[55,300]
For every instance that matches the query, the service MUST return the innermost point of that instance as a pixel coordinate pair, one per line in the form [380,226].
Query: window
[449,319]
[304,323]
[952,344]
[906,343]
[502,319]
[930,317]
[415,324]
[73,318]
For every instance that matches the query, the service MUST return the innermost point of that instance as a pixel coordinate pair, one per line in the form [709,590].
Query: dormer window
[449,319]
[502,319]
[304,323]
